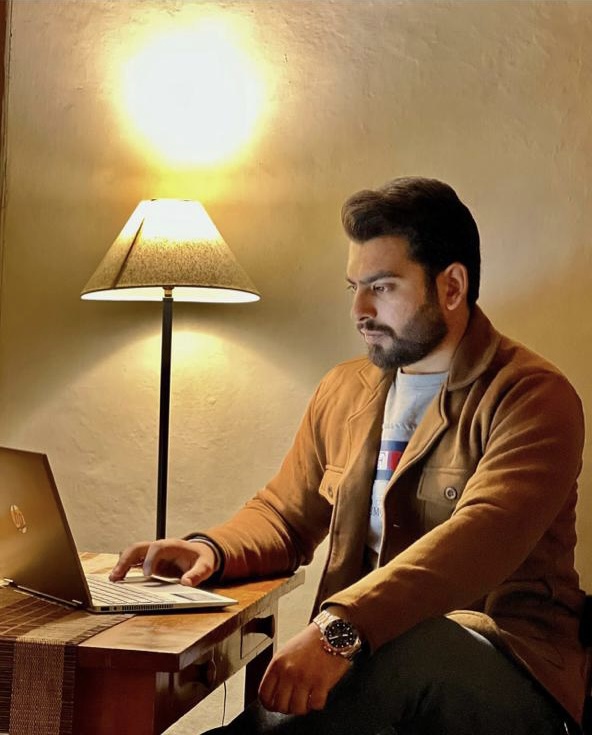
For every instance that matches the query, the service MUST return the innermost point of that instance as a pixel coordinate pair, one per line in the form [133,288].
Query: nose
[363,305]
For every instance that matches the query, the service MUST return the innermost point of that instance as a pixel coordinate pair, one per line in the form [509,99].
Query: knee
[430,644]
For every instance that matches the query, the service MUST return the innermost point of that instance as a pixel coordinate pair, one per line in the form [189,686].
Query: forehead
[386,253]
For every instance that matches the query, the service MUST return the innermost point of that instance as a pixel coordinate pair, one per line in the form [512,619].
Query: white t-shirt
[406,403]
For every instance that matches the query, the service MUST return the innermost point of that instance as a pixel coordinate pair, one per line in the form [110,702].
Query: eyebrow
[374,277]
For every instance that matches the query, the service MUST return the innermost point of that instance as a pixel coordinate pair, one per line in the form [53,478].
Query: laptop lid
[37,550]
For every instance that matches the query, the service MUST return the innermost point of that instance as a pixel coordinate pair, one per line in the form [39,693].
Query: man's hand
[192,561]
[300,676]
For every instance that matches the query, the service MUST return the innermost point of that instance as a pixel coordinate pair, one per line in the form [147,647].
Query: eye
[382,287]
[351,287]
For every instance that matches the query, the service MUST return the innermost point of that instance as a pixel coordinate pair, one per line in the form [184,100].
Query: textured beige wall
[493,97]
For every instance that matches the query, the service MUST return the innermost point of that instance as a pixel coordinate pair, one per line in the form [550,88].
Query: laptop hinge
[35,593]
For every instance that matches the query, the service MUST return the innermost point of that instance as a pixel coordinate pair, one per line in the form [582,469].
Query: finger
[155,554]
[267,690]
[300,702]
[199,572]
[130,557]
[282,698]
[317,699]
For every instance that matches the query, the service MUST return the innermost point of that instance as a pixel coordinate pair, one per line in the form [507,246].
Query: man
[444,470]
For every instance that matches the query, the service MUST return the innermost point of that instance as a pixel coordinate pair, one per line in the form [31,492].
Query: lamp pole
[165,401]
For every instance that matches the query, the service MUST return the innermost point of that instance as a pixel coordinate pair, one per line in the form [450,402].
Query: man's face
[397,313]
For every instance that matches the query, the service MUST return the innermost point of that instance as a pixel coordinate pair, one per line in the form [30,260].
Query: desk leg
[118,701]
[254,671]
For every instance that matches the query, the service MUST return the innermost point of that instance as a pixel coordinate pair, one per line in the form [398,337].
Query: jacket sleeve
[278,529]
[526,476]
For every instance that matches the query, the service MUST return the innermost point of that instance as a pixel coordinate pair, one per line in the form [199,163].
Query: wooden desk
[140,676]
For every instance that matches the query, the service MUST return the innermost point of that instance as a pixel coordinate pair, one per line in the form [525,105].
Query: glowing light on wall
[193,95]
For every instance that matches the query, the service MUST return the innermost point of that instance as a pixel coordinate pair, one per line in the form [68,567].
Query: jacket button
[451,493]
[330,491]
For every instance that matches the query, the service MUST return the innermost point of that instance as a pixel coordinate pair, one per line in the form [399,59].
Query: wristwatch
[338,636]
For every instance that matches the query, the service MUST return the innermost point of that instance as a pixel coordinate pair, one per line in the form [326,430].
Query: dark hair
[439,228]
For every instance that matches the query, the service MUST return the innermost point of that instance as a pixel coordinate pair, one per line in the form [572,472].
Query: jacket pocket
[440,489]
[330,484]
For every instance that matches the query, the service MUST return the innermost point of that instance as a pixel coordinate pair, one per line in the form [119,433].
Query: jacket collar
[471,359]
[475,351]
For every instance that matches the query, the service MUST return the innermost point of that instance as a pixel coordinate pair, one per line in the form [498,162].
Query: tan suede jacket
[479,516]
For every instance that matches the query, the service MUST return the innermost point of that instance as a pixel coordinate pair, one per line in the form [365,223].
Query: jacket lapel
[472,357]
[364,428]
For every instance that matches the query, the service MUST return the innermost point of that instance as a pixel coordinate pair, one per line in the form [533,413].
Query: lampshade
[170,244]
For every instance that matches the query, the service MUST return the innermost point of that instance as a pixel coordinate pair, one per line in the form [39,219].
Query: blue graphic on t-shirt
[388,458]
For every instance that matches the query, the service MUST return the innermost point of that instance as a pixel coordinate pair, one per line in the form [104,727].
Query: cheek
[396,312]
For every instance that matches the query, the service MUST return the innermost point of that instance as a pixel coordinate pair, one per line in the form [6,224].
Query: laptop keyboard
[112,593]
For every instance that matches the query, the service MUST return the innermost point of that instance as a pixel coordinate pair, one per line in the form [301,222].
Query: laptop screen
[37,551]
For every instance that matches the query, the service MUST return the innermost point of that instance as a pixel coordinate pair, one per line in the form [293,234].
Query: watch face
[340,634]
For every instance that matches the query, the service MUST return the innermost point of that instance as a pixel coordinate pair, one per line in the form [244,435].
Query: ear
[453,284]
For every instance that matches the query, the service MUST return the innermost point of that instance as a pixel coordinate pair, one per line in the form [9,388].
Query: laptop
[38,554]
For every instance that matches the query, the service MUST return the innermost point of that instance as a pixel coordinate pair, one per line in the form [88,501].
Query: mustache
[371,325]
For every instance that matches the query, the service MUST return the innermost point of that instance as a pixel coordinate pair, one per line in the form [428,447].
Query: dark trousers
[437,679]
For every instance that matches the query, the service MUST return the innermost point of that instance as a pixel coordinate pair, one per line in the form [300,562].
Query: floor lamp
[169,250]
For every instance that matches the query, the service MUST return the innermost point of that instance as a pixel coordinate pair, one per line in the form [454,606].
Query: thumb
[199,572]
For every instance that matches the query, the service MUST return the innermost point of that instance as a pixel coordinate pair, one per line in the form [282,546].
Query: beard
[424,331]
